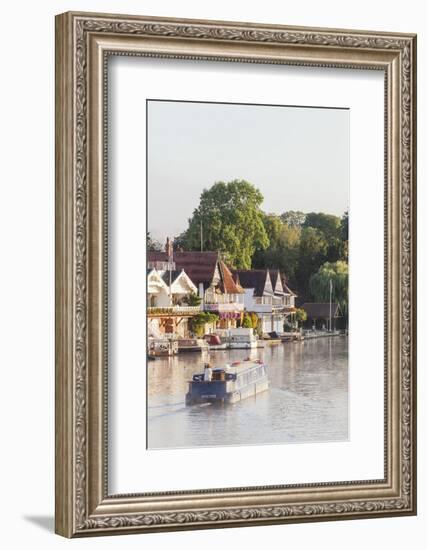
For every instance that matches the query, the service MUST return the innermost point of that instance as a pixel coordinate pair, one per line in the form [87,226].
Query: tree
[283,250]
[255,319]
[228,219]
[320,284]
[273,226]
[344,236]
[251,320]
[344,226]
[247,321]
[331,228]
[300,315]
[328,224]
[293,218]
[153,244]
[313,250]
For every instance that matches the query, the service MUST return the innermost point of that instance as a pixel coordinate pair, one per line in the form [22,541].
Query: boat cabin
[228,384]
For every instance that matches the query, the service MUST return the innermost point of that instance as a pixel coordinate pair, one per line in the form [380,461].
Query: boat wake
[170,409]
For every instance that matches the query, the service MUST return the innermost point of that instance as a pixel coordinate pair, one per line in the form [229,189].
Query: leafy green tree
[283,250]
[328,224]
[344,226]
[254,317]
[228,219]
[313,250]
[331,228]
[247,321]
[179,242]
[344,237]
[320,284]
[273,226]
[300,315]
[293,218]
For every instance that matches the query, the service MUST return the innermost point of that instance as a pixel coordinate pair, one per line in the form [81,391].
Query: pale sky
[297,157]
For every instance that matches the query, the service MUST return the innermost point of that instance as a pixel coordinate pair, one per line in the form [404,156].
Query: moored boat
[162,347]
[242,338]
[192,344]
[215,342]
[228,384]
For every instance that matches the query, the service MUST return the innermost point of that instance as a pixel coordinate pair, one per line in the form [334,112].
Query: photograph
[247,248]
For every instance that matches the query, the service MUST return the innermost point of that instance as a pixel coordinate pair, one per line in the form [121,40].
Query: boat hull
[250,391]
[192,345]
[162,348]
[243,345]
[217,392]
[198,349]
[216,347]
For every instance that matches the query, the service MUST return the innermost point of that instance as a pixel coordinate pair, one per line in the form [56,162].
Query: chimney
[169,250]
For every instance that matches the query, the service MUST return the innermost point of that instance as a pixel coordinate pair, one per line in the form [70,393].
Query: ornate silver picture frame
[84,43]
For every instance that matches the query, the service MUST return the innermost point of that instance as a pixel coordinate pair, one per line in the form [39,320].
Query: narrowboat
[229,384]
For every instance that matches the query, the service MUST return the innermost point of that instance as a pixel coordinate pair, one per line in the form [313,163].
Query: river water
[307,400]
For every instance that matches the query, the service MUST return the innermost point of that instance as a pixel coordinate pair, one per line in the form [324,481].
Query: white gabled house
[214,281]
[167,308]
[157,290]
[267,295]
[284,296]
[181,286]
[168,288]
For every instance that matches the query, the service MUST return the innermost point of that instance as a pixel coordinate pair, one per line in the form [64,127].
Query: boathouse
[218,291]
[320,315]
[267,295]
[168,296]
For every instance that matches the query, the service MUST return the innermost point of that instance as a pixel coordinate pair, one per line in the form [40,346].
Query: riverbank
[310,335]
[170,347]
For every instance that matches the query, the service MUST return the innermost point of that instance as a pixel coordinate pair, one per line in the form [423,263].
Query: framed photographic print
[235,274]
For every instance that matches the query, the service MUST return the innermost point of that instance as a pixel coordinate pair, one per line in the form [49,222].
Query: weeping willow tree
[336,272]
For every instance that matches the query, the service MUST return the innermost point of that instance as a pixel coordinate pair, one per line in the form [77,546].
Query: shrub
[198,322]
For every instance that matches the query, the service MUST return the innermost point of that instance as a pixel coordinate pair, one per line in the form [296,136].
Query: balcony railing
[173,310]
[235,306]
[212,298]
[261,308]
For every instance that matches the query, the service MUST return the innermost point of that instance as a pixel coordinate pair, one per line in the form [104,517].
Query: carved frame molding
[83,42]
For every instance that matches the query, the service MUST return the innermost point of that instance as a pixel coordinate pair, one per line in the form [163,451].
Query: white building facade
[168,294]
[267,296]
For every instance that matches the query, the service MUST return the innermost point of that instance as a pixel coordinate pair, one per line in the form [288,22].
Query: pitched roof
[174,274]
[317,310]
[251,278]
[228,283]
[199,266]
[287,289]
[273,276]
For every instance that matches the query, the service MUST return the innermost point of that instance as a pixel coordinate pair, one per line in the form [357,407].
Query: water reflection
[307,400]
